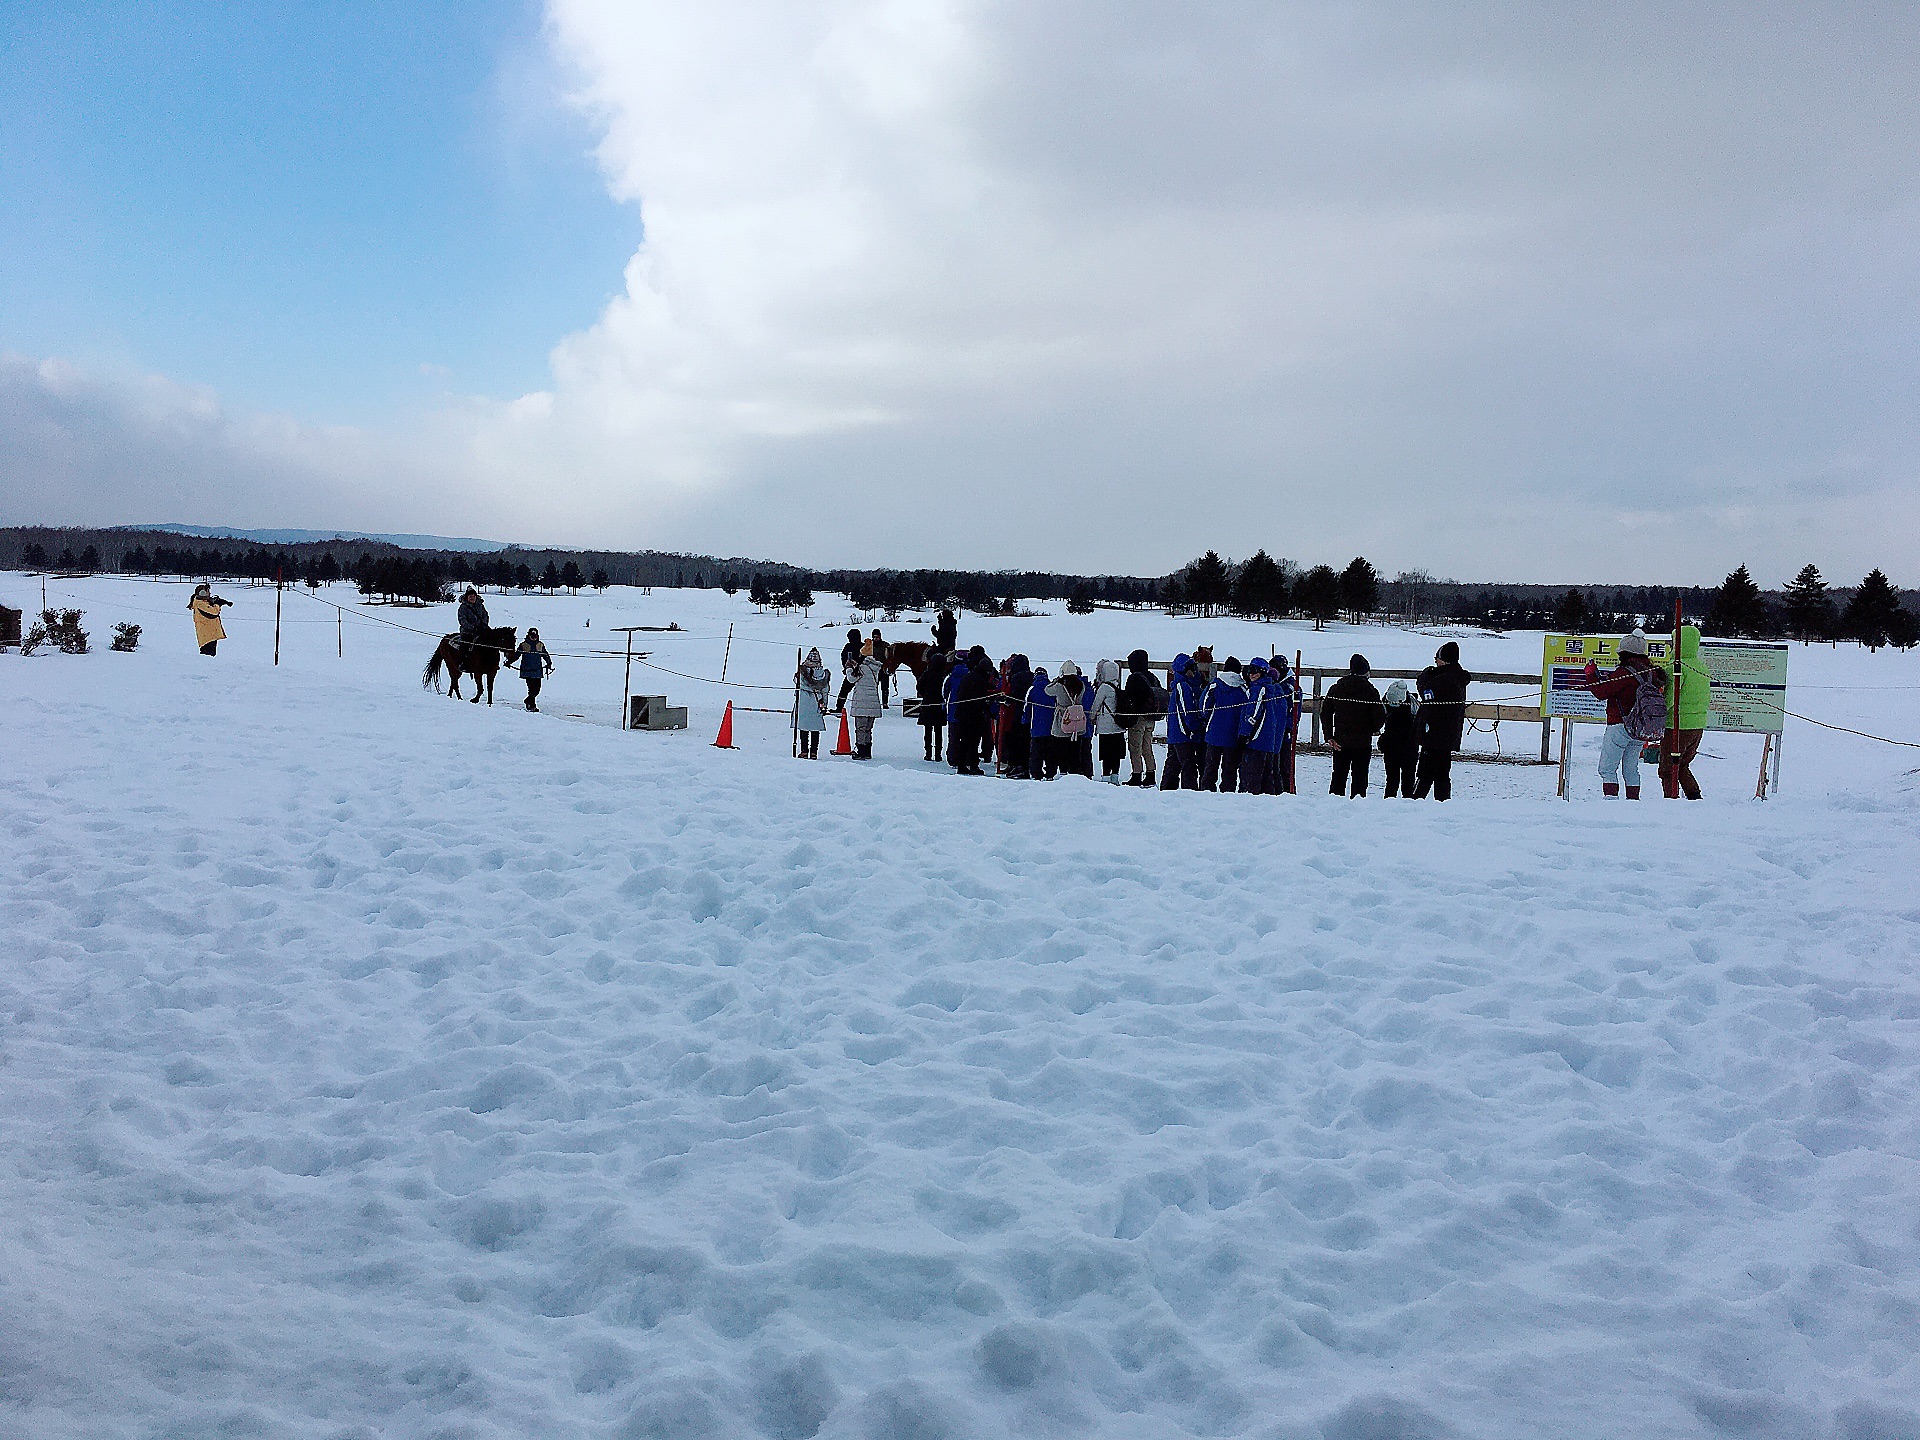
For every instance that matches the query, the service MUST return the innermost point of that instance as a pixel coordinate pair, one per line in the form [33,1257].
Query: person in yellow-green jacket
[1682,742]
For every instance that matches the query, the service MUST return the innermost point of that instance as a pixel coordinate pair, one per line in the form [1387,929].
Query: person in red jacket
[1619,751]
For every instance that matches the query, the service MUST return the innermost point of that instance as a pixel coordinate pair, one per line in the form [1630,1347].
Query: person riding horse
[473,619]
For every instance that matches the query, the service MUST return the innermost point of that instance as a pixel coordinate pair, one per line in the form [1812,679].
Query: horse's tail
[431,675]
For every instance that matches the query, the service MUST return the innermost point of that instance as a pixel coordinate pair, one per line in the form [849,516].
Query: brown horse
[479,658]
[910,653]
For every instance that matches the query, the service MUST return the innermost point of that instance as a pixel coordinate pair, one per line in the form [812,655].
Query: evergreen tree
[550,578]
[1809,606]
[329,568]
[1208,585]
[523,576]
[1359,589]
[90,559]
[1318,593]
[1871,615]
[1738,608]
[571,577]
[1260,588]
[600,580]
[34,557]
[1080,602]
[1571,615]
[1903,630]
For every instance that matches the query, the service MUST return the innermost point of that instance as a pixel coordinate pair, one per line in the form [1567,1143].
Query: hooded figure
[205,607]
[1186,727]
[1441,721]
[950,700]
[536,663]
[1399,743]
[1353,717]
[1015,740]
[850,654]
[1259,732]
[1109,731]
[811,684]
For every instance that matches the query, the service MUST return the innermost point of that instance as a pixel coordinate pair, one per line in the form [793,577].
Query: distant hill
[321,537]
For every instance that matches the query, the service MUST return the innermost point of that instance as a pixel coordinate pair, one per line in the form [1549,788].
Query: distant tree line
[1261,587]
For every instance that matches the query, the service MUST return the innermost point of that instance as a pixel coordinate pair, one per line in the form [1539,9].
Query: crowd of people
[1230,726]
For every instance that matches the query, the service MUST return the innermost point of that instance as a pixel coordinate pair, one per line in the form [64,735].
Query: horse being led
[479,658]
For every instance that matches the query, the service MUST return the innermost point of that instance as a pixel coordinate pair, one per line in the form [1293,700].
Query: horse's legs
[490,675]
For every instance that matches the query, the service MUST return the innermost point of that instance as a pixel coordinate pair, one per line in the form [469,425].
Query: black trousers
[809,744]
[1400,767]
[1435,773]
[964,745]
[1073,755]
[1182,770]
[533,690]
[934,735]
[1259,772]
[1221,769]
[1350,763]
[1113,749]
[1014,749]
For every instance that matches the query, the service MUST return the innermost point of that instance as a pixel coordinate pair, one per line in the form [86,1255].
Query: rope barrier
[998,698]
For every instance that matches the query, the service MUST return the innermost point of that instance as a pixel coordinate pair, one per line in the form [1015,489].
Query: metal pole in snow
[626,685]
[278,579]
[727,656]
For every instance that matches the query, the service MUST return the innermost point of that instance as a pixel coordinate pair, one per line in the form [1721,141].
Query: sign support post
[1566,734]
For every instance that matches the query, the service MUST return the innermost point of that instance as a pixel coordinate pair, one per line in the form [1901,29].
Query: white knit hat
[1067,667]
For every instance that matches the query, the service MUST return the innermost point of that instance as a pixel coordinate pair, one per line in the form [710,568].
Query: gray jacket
[864,702]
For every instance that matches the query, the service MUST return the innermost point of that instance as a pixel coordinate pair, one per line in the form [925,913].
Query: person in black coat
[1443,720]
[1399,741]
[932,709]
[970,711]
[1353,716]
[1142,703]
[946,631]
[849,666]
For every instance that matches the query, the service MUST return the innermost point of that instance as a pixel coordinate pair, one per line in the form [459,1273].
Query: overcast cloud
[1500,292]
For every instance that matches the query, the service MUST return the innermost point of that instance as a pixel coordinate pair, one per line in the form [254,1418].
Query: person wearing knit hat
[1619,747]
[1353,716]
[1442,717]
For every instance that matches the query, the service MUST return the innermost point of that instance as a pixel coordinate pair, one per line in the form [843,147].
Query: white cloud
[1534,294]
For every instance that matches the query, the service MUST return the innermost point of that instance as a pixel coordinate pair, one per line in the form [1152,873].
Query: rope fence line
[1688,669]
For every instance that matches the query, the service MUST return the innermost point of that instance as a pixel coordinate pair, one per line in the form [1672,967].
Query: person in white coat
[1110,731]
[865,703]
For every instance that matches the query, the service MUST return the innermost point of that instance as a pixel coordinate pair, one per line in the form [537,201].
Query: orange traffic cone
[844,745]
[724,740]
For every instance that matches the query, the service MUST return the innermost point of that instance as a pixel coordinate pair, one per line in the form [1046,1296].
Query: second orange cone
[724,740]
[844,745]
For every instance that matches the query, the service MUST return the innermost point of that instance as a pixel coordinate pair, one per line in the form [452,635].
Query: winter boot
[1633,792]
[1610,789]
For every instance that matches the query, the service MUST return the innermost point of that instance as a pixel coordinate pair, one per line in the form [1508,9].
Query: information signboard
[1747,682]
[1563,671]
[1746,679]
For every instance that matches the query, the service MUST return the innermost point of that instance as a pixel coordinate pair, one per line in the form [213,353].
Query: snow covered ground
[379,1065]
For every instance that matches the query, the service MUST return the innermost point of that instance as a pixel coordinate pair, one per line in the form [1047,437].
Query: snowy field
[376,1065]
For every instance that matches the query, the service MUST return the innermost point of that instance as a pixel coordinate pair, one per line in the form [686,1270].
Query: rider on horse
[473,618]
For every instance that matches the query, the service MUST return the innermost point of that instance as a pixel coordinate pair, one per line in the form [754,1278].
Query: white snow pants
[1619,751]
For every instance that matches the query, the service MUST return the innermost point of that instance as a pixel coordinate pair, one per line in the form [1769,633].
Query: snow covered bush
[59,628]
[125,637]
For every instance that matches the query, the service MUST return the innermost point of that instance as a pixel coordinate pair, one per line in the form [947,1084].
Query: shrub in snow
[59,628]
[125,637]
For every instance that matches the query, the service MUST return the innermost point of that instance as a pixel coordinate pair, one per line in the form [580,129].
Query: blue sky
[1606,295]
[300,205]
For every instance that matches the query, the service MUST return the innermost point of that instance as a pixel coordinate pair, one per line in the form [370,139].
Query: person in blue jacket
[1286,685]
[1256,726]
[1227,702]
[1186,727]
[1041,762]
[950,696]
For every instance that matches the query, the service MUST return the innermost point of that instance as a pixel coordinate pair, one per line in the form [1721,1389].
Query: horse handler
[205,607]
[536,663]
